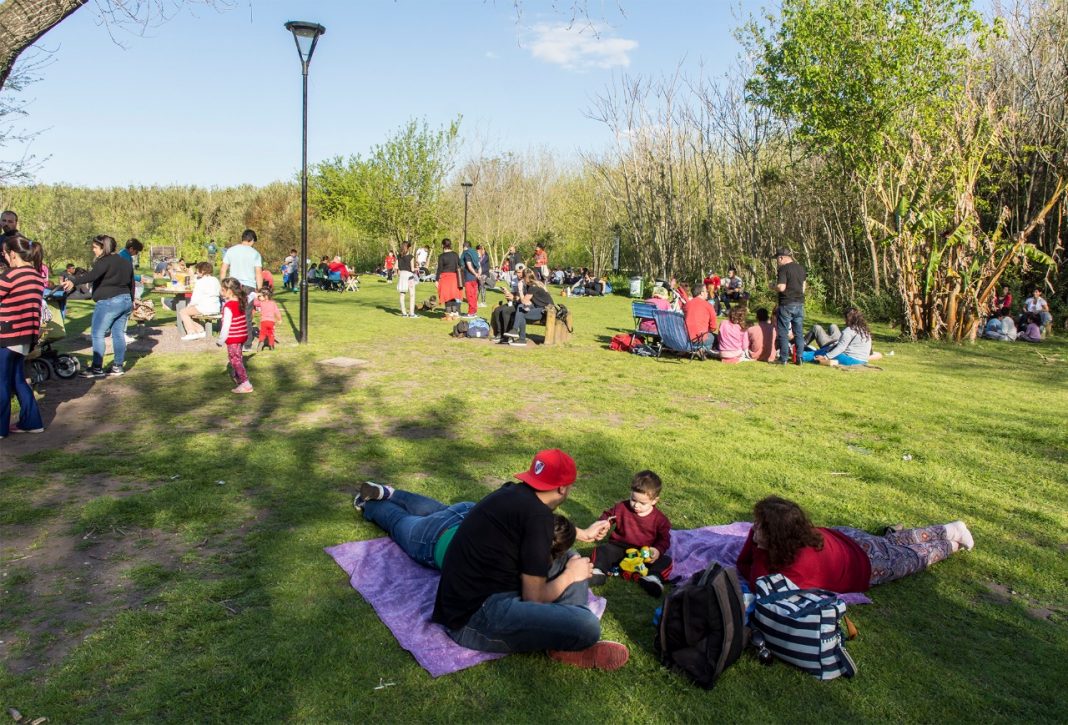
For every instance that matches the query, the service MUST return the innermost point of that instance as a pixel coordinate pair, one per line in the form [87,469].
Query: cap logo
[538,467]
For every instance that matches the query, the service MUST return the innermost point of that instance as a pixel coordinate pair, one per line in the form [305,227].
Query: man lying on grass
[495,594]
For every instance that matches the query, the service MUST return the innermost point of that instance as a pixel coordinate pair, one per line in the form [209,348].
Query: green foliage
[395,194]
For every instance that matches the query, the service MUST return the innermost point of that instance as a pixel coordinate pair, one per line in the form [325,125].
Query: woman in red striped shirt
[21,297]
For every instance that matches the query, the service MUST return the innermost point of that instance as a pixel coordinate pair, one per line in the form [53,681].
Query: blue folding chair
[337,284]
[642,311]
[673,335]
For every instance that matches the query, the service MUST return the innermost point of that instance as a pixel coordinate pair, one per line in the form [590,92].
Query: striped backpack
[802,626]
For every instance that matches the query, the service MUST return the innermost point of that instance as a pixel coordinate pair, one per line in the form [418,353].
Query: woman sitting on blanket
[853,346]
[423,527]
[840,559]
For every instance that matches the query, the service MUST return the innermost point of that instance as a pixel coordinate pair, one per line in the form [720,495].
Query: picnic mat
[404,599]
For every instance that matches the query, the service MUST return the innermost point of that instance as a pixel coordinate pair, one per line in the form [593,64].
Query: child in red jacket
[638,523]
[234,332]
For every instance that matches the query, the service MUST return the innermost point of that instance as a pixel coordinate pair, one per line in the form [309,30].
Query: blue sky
[213,98]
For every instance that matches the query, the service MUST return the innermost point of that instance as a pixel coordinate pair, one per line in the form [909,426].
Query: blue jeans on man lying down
[415,522]
[810,356]
[506,623]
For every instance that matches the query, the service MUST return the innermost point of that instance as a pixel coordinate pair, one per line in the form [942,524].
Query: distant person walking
[406,279]
[244,263]
[448,277]
[790,285]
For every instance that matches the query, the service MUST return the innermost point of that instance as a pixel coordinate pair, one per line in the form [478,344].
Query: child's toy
[633,565]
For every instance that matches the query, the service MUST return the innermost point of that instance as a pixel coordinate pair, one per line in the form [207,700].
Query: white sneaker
[193,336]
[130,340]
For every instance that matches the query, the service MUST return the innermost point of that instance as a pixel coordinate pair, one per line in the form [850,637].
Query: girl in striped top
[234,332]
[21,296]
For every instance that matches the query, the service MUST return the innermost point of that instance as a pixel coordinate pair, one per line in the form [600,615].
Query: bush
[882,307]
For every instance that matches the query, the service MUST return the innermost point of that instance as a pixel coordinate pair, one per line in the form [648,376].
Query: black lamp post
[467,192]
[306,35]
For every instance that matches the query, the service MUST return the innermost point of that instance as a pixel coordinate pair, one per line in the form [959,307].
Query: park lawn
[210,511]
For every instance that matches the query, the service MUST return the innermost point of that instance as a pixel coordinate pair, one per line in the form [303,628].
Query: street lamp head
[467,187]
[306,36]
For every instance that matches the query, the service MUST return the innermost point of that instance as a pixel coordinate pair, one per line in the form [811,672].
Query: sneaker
[245,387]
[604,655]
[495,339]
[130,340]
[371,491]
[358,502]
[194,336]
[510,333]
[598,578]
[16,429]
[651,585]
[518,343]
[92,373]
[116,371]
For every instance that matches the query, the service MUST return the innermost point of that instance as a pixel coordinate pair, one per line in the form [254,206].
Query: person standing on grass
[390,263]
[541,264]
[471,263]
[483,272]
[270,316]
[495,594]
[112,278]
[406,280]
[448,278]
[244,263]
[233,331]
[790,285]
[21,287]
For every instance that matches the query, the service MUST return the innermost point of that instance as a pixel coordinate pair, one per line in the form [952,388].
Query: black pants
[610,554]
[501,319]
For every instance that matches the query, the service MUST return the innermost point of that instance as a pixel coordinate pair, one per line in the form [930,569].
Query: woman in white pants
[406,280]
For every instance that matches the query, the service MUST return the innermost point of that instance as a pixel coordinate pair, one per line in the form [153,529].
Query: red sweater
[841,565]
[700,318]
[638,531]
[21,296]
[238,332]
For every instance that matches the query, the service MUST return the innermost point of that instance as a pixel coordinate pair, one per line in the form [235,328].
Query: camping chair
[335,282]
[673,336]
[642,311]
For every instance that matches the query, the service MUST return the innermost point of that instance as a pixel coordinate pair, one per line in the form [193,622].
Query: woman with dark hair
[448,277]
[840,559]
[21,290]
[112,277]
[853,346]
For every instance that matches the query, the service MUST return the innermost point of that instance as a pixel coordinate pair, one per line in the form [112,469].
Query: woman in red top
[841,559]
[21,296]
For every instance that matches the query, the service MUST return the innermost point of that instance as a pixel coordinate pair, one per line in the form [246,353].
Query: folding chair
[673,335]
[642,311]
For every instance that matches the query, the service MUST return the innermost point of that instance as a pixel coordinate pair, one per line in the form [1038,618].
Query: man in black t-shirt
[496,594]
[790,284]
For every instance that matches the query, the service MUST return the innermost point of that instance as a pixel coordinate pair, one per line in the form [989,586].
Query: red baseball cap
[550,469]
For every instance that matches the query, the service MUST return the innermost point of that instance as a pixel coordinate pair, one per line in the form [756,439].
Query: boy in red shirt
[638,523]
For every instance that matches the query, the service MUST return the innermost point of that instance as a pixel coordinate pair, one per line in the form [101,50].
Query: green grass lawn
[169,562]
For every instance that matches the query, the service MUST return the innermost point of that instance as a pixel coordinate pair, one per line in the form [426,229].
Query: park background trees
[911,152]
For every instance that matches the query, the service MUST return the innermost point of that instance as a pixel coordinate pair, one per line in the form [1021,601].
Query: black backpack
[702,628]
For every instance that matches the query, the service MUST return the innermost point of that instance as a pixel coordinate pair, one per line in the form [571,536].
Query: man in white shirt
[1038,305]
[244,263]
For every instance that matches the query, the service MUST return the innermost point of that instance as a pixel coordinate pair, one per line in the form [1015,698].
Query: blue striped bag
[801,626]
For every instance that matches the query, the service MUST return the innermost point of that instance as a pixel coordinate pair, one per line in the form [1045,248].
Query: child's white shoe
[245,387]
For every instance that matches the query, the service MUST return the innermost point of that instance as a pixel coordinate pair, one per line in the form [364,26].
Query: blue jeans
[111,314]
[790,316]
[520,323]
[13,380]
[415,522]
[506,623]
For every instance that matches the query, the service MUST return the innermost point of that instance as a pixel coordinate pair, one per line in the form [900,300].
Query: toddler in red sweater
[638,523]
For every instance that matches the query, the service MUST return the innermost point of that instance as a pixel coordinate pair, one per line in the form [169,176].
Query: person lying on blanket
[423,527]
[841,559]
[497,592]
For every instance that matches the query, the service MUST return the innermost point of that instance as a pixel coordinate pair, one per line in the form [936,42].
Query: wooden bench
[557,331]
[208,321]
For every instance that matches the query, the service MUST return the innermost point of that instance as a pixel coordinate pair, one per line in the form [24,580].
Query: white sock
[958,531]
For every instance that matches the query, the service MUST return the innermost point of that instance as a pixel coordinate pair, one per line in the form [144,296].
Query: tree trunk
[23,22]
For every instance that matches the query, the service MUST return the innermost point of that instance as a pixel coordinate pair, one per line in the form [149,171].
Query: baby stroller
[44,362]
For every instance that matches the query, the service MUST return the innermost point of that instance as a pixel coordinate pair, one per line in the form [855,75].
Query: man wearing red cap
[496,594]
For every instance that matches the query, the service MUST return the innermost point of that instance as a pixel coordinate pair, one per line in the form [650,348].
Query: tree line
[913,155]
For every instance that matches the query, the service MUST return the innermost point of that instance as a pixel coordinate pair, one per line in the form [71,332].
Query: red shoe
[604,655]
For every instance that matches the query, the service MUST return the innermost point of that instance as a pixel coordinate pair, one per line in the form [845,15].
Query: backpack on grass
[803,627]
[478,327]
[702,628]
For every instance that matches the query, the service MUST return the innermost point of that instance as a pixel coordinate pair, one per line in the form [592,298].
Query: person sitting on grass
[853,346]
[203,302]
[495,594]
[762,345]
[423,527]
[733,340]
[532,305]
[700,317]
[638,523]
[841,559]
[1000,327]
[1031,332]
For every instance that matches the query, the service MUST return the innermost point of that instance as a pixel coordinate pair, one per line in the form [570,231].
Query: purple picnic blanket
[404,600]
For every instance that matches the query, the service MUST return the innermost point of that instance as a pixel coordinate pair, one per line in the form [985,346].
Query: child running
[270,315]
[234,332]
[638,523]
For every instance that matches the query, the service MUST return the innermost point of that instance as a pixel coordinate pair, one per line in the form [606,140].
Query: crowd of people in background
[1032,324]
